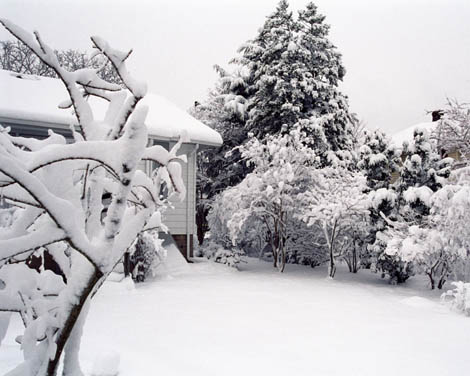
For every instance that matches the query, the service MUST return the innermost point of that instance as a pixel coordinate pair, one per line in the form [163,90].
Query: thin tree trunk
[330,240]
[431,279]
[64,333]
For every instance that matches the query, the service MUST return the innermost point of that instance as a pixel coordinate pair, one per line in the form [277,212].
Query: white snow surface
[36,99]
[215,321]
[406,135]
[106,364]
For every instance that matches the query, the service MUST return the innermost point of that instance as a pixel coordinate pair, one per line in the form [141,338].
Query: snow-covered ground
[211,320]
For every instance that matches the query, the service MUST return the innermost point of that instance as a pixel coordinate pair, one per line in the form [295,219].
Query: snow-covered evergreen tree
[323,70]
[271,59]
[294,73]
[422,165]
[383,209]
[218,169]
[378,159]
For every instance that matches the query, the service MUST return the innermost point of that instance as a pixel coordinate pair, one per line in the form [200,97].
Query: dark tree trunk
[64,333]
[431,280]
[201,223]
[127,264]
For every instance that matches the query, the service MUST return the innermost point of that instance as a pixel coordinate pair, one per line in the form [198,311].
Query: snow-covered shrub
[422,164]
[439,246]
[459,297]
[147,254]
[423,173]
[220,213]
[450,216]
[378,159]
[336,204]
[231,257]
[383,204]
[58,188]
[305,245]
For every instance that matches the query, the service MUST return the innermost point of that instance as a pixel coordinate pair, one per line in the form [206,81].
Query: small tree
[58,190]
[453,130]
[422,166]
[378,159]
[268,193]
[337,204]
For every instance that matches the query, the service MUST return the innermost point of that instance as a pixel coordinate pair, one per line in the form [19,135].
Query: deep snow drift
[211,320]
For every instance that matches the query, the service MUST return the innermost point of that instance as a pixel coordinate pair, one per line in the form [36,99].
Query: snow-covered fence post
[57,189]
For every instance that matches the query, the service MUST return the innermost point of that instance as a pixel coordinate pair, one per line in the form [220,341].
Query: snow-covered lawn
[211,320]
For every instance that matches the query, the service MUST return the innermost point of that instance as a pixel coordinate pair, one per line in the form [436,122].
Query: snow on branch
[61,193]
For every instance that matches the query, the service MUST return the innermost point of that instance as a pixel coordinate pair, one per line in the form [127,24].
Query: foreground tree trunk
[64,333]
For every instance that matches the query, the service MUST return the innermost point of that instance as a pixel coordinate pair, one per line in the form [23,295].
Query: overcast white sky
[402,57]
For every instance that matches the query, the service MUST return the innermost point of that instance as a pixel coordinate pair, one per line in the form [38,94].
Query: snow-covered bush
[439,245]
[58,188]
[425,249]
[146,254]
[305,245]
[409,203]
[450,216]
[383,209]
[459,297]
[378,159]
[220,213]
[231,257]
[422,165]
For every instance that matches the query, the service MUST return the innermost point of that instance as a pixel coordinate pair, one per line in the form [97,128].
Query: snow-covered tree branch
[57,192]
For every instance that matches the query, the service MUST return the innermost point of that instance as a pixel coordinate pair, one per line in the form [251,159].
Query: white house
[406,135]
[29,106]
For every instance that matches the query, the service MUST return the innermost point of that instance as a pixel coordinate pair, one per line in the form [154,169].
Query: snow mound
[174,262]
[106,364]
[128,283]
[418,302]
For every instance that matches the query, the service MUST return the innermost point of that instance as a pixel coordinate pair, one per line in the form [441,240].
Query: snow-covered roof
[36,99]
[407,133]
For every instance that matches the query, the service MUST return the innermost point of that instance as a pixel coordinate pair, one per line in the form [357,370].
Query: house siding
[180,219]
